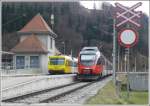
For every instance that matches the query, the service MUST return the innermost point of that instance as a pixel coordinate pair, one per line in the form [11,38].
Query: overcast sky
[144,8]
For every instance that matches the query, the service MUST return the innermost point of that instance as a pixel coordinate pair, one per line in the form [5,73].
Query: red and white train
[92,64]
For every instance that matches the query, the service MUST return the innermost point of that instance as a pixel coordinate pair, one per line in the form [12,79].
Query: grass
[136,97]
[107,95]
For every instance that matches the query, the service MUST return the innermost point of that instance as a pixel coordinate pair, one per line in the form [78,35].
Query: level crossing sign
[128,14]
[127,37]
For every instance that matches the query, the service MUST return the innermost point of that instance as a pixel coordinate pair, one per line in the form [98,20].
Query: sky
[144,7]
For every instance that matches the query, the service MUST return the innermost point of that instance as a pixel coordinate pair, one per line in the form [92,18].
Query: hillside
[75,25]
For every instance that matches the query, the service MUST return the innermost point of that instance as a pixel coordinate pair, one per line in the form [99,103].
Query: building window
[20,62]
[51,43]
[34,61]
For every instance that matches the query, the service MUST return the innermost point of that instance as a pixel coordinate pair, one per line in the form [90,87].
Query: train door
[99,66]
[102,64]
[68,66]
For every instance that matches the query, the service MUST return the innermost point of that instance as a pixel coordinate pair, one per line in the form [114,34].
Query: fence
[138,79]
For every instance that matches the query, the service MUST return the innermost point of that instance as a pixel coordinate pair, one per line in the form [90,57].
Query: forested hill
[74,24]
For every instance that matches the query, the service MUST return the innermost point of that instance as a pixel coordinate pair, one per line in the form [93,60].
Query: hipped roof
[37,24]
[30,45]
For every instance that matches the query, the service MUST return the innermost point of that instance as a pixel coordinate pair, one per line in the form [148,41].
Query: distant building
[37,42]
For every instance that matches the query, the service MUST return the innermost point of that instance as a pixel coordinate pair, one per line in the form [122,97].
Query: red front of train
[90,63]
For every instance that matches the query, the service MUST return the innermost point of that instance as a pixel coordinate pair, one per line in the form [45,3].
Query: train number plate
[86,71]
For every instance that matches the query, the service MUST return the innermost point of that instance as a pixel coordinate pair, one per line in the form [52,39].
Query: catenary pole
[114,51]
[0,35]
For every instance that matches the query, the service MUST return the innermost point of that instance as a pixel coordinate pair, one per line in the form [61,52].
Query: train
[92,64]
[62,64]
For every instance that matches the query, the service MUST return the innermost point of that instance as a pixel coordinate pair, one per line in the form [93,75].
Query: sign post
[114,51]
[127,37]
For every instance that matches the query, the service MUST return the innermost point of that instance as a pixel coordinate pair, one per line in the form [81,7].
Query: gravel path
[80,96]
[76,97]
[12,81]
[51,93]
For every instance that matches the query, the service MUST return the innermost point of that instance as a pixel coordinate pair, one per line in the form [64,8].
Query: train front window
[87,59]
[57,61]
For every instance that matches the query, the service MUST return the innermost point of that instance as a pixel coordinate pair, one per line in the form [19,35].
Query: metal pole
[0,37]
[121,66]
[128,65]
[114,51]
[135,64]
[128,68]
[0,48]
[64,48]
[71,53]
[52,17]
[125,59]
[118,58]
[145,66]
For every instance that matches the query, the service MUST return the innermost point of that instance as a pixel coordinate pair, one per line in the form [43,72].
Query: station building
[37,42]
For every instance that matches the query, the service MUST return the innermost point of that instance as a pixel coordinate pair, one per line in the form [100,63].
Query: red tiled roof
[30,45]
[37,24]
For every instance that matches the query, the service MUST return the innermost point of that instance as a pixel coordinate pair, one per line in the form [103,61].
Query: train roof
[88,52]
[64,56]
[90,49]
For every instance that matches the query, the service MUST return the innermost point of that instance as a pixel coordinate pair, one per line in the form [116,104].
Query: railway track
[20,86]
[49,95]
[53,98]
[29,95]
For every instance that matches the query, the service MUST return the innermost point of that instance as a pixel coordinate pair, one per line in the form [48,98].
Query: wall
[43,61]
[49,44]
[44,64]
[27,60]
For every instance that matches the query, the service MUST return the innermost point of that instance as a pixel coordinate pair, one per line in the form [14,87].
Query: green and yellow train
[62,64]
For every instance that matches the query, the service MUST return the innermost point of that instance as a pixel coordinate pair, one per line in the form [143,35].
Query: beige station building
[37,42]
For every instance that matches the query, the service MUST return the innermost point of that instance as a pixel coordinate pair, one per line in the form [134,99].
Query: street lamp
[64,46]
[52,20]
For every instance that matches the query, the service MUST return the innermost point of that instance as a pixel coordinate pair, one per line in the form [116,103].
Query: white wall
[44,40]
[54,45]
[43,61]
[49,43]
[27,58]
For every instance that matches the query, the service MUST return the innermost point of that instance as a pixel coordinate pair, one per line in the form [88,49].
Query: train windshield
[87,59]
[57,61]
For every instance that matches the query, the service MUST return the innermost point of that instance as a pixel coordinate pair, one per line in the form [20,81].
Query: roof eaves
[38,32]
[44,52]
